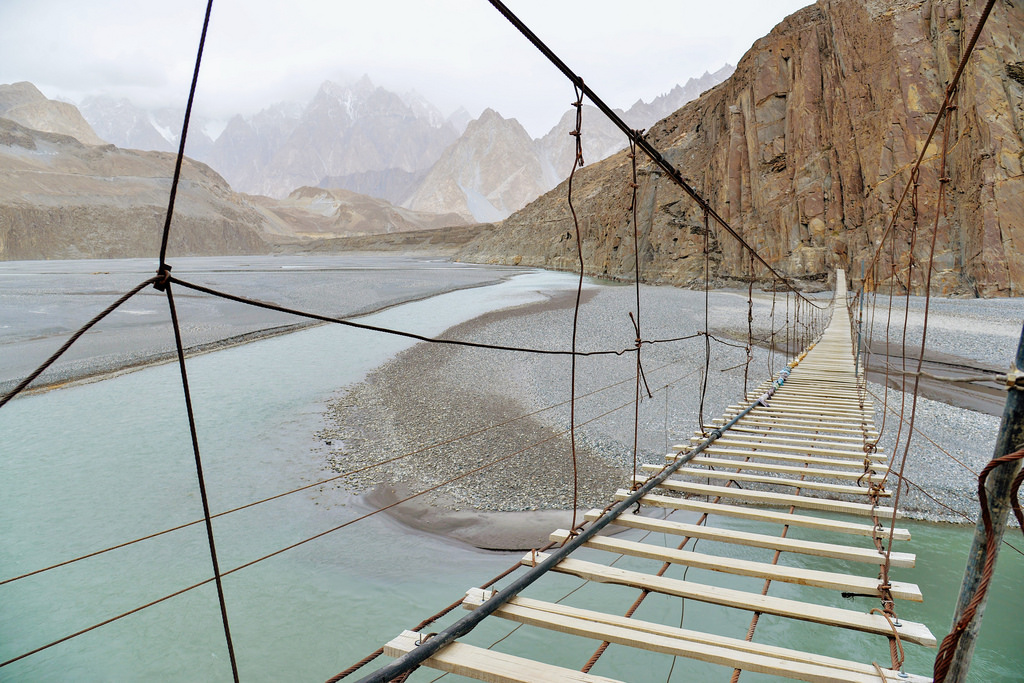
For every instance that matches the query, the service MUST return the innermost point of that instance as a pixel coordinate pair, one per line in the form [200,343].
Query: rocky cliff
[805,150]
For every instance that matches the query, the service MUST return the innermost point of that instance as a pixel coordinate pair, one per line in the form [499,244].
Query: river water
[94,465]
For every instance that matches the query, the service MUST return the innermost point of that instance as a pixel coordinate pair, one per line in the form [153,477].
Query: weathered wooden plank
[646,635]
[856,465]
[816,440]
[864,585]
[777,499]
[815,427]
[793,448]
[755,540]
[740,430]
[489,665]
[766,479]
[909,631]
[783,469]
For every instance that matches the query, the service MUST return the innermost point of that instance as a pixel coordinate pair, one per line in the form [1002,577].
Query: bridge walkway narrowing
[800,449]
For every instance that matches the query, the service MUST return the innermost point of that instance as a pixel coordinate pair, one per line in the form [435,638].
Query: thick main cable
[640,141]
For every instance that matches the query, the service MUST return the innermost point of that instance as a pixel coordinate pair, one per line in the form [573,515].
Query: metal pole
[997,487]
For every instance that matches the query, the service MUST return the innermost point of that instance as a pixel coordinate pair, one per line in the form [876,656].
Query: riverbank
[438,413]
[45,301]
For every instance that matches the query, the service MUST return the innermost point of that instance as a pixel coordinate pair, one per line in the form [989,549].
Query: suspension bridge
[802,442]
[791,472]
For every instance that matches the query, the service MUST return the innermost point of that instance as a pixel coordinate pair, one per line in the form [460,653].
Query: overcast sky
[453,52]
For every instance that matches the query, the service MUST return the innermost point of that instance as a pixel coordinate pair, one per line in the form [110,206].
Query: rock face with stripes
[801,461]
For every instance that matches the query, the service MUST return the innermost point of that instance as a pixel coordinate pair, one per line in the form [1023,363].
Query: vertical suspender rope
[163,283]
[202,481]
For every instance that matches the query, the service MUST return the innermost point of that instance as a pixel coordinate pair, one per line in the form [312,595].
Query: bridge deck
[798,463]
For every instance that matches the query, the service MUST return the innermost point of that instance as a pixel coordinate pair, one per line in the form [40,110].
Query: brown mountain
[60,198]
[805,150]
[316,213]
[23,103]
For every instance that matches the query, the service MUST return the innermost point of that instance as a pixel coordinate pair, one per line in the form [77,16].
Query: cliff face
[805,151]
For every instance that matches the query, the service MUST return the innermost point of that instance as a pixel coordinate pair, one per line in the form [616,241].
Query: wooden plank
[857,465]
[768,516]
[791,400]
[776,436]
[750,422]
[679,642]
[909,631]
[783,469]
[865,585]
[836,551]
[776,499]
[793,448]
[489,665]
[767,479]
[804,415]
[742,431]
[779,443]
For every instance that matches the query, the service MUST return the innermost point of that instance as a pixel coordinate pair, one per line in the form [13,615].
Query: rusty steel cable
[707,332]
[181,145]
[750,327]
[939,214]
[576,163]
[636,321]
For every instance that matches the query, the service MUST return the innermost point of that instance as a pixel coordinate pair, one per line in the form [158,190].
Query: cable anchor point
[163,275]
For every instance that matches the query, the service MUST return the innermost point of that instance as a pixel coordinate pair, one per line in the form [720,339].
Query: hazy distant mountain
[246,146]
[60,198]
[459,119]
[352,129]
[601,138]
[23,103]
[131,127]
[492,170]
[313,213]
[644,115]
[393,184]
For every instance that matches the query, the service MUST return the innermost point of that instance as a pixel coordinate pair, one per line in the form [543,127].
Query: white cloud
[454,52]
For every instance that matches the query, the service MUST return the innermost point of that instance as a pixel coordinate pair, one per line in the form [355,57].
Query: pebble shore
[443,411]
